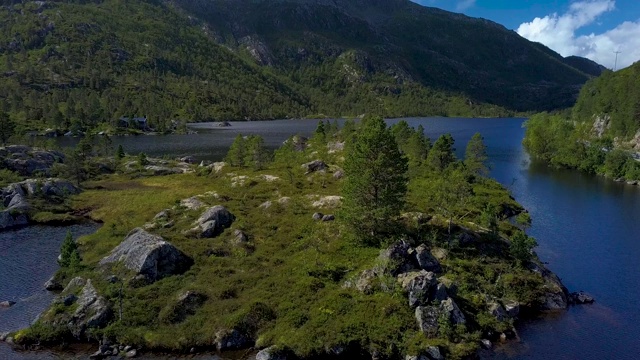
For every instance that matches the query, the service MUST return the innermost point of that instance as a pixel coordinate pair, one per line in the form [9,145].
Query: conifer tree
[442,153]
[376,182]
[237,152]
[475,157]
[69,254]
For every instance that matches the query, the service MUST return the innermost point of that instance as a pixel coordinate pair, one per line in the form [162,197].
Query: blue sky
[589,28]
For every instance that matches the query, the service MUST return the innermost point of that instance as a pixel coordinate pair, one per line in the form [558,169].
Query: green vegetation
[600,134]
[81,66]
[69,254]
[376,182]
[285,286]
[395,58]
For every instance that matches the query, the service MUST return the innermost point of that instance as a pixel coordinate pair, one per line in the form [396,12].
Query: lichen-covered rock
[425,260]
[396,259]
[421,288]
[455,315]
[240,237]
[427,318]
[53,284]
[93,311]
[317,216]
[192,203]
[433,352]
[214,220]
[149,255]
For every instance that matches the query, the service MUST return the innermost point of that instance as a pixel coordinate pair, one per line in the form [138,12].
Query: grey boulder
[214,220]
[149,255]
[425,260]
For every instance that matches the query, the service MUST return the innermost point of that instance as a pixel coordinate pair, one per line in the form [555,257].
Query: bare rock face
[214,220]
[427,316]
[556,295]
[93,311]
[425,260]
[26,161]
[149,255]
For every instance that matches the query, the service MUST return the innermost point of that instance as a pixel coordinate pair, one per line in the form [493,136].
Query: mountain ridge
[438,49]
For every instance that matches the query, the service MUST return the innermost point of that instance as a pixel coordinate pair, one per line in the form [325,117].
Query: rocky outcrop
[53,284]
[428,316]
[214,220]
[92,311]
[28,161]
[581,297]
[396,258]
[149,255]
[425,260]
[314,166]
[15,198]
[601,123]
[555,295]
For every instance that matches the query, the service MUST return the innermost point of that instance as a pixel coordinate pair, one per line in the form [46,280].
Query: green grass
[285,286]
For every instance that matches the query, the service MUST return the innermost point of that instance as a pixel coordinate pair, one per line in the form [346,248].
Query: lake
[586,227]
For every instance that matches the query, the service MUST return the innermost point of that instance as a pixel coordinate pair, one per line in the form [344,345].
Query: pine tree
[376,182]
[120,153]
[442,153]
[475,157]
[236,154]
[69,254]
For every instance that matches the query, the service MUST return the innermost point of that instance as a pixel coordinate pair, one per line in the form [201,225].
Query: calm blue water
[586,227]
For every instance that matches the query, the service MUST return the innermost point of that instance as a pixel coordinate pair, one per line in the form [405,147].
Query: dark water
[27,260]
[586,227]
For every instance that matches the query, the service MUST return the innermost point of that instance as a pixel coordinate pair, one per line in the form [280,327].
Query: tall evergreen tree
[442,153]
[236,154]
[69,254]
[475,157]
[376,182]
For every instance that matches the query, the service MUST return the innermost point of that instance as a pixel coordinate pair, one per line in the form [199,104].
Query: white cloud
[465,5]
[559,33]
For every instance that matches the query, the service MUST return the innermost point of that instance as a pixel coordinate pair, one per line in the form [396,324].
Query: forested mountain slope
[600,134]
[84,64]
[391,44]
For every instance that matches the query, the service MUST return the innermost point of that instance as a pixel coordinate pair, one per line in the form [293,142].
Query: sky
[595,29]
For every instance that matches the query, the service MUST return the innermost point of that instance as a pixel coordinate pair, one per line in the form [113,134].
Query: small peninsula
[362,241]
